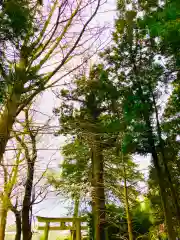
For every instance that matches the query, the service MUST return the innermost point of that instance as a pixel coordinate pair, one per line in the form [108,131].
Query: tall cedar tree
[120,176]
[170,127]
[92,121]
[132,61]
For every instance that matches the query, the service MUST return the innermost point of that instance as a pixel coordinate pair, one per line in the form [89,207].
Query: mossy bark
[3,218]
[99,195]
[128,215]
[26,221]
[8,116]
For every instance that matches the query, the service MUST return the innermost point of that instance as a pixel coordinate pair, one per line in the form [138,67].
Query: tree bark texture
[157,165]
[128,215]
[7,118]
[3,218]
[18,225]
[26,210]
[99,195]
[164,160]
[162,188]
[76,214]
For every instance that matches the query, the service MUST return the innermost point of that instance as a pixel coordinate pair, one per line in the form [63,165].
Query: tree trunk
[26,210]
[128,215]
[18,225]
[159,170]
[8,116]
[93,198]
[76,207]
[99,218]
[76,214]
[167,212]
[166,169]
[160,177]
[3,218]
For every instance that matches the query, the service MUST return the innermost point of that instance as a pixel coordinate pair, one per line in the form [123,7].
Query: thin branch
[74,46]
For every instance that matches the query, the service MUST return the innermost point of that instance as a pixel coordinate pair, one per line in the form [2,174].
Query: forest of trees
[117,108]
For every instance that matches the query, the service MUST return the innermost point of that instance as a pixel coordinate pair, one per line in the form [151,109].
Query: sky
[54,206]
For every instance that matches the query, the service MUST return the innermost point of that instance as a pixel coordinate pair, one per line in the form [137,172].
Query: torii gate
[75,225]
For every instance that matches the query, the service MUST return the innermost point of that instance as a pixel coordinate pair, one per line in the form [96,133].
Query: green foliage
[142,82]
[118,168]
[17,16]
[142,218]
[96,96]
[164,23]
[125,99]
[117,223]
[132,62]
[17,21]
[76,159]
